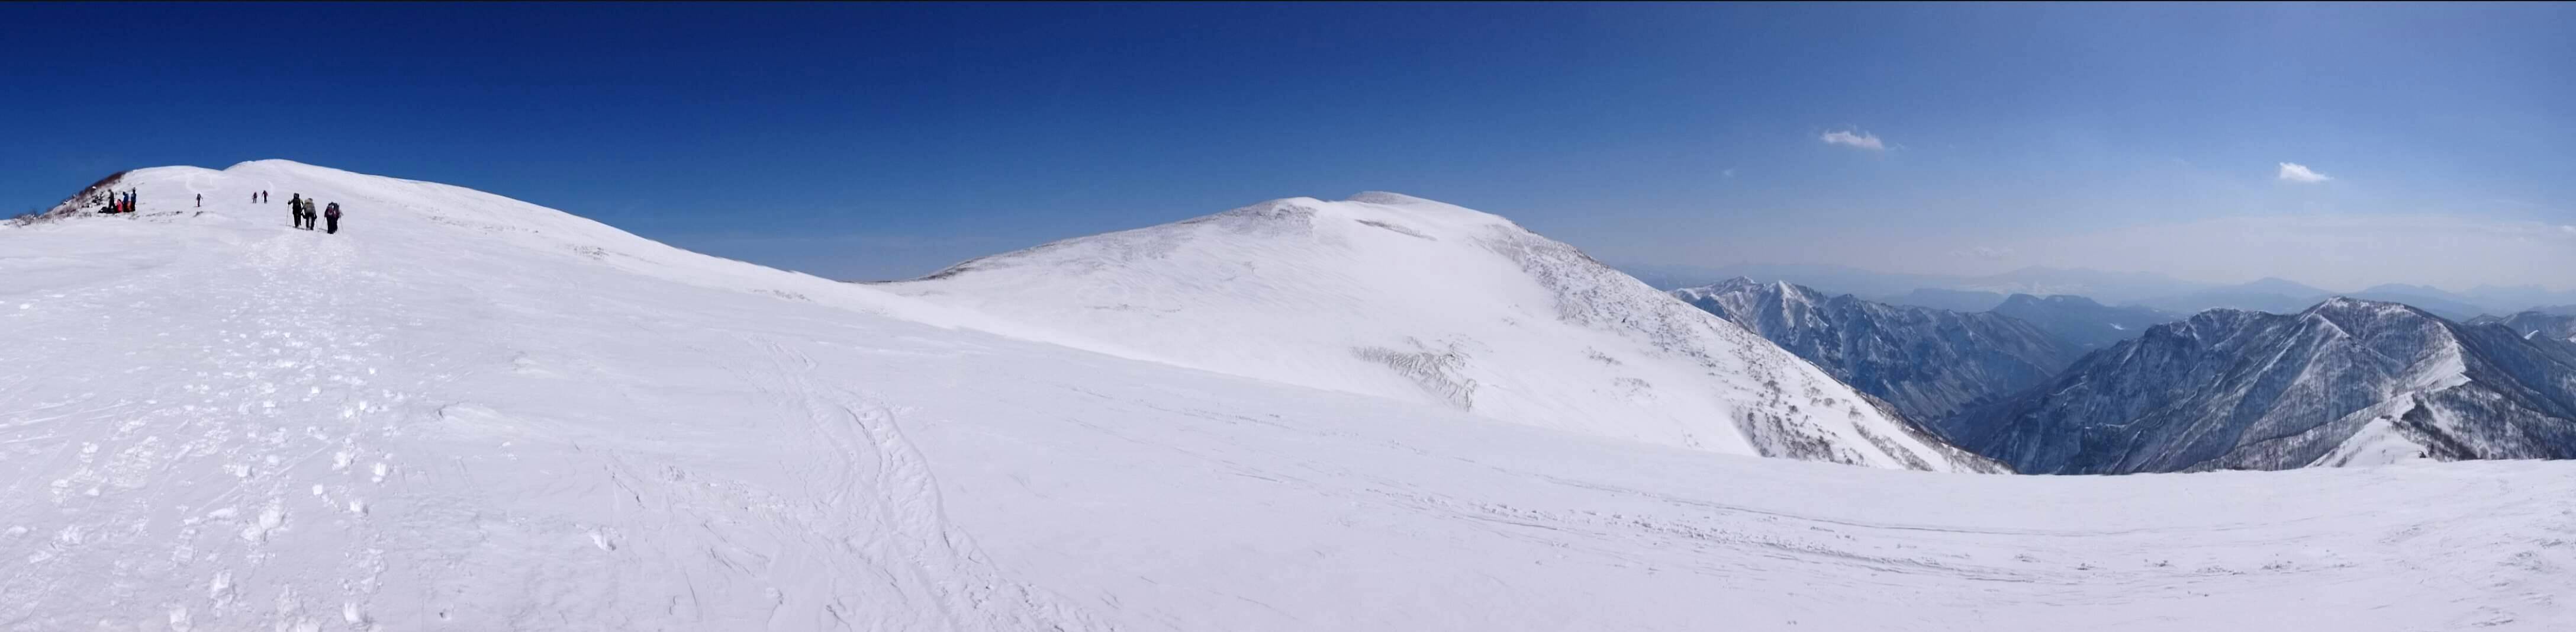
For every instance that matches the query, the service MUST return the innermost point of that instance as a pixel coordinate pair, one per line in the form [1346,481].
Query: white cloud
[2567,229]
[1855,138]
[1727,173]
[2296,172]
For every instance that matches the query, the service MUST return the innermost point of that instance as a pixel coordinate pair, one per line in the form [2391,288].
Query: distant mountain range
[2282,296]
[2341,383]
[1928,363]
[1953,300]
[1979,293]
[2536,323]
[2080,321]
[2113,287]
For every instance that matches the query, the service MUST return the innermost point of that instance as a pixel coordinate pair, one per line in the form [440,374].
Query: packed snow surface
[469,413]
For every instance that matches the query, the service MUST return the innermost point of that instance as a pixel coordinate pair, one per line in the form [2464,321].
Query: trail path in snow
[246,422]
[291,430]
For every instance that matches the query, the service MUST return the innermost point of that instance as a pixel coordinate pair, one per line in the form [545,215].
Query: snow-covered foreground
[473,414]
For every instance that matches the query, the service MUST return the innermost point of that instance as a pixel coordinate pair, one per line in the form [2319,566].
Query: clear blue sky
[887,141]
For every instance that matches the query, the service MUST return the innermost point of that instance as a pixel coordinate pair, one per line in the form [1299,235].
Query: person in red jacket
[332,214]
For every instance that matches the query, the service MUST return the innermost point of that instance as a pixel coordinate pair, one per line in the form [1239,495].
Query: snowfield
[1414,300]
[465,412]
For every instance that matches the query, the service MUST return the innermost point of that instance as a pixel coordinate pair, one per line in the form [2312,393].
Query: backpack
[333,212]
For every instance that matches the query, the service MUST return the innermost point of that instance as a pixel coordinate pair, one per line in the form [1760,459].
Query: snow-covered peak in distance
[1400,297]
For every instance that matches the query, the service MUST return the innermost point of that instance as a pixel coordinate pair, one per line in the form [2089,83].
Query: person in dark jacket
[333,215]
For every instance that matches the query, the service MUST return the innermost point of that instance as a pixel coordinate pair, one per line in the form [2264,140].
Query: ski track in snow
[441,420]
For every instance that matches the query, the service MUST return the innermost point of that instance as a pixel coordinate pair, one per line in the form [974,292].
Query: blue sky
[883,141]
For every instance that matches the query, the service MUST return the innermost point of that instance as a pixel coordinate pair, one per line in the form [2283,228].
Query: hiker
[201,200]
[332,214]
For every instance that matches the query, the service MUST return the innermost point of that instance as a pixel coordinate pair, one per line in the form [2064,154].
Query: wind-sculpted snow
[1928,363]
[470,413]
[2346,382]
[1419,301]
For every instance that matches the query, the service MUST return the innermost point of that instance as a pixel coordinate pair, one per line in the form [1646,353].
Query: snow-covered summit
[1399,297]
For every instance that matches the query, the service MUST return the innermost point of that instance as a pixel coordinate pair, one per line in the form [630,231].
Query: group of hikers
[302,207]
[307,211]
[114,202]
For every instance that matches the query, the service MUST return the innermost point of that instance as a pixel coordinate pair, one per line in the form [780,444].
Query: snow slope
[1415,300]
[469,413]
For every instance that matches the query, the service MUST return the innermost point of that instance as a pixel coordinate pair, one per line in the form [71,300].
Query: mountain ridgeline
[2535,324]
[2345,382]
[1928,363]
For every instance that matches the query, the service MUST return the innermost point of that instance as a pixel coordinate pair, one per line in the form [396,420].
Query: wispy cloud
[2296,172]
[1729,173]
[1854,138]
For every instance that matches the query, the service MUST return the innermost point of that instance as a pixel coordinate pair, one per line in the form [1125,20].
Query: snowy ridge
[213,422]
[1414,300]
[2344,382]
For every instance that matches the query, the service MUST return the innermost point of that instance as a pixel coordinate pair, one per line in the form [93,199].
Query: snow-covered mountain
[1929,363]
[2535,324]
[466,412]
[1419,301]
[2110,287]
[2345,382]
[2080,321]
